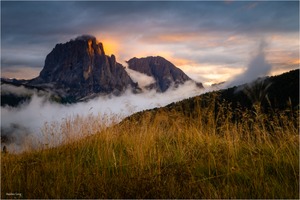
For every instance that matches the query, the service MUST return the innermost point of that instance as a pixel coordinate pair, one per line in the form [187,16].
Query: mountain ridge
[80,67]
[79,70]
[163,71]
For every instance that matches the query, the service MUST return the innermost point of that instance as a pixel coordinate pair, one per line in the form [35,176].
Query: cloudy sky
[210,41]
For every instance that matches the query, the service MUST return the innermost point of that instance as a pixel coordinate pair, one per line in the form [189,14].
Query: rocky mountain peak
[164,72]
[92,44]
[80,68]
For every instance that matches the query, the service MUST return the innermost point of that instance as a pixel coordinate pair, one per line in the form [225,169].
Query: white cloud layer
[31,121]
[257,67]
[143,79]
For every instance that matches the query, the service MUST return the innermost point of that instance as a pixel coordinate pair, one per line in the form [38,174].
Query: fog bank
[27,126]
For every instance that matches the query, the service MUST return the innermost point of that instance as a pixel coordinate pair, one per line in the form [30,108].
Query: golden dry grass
[165,154]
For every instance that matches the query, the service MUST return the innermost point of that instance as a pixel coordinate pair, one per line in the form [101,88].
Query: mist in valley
[24,126]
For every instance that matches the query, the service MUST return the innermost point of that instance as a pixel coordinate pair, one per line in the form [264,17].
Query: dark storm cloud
[35,27]
[31,21]
[32,26]
[21,60]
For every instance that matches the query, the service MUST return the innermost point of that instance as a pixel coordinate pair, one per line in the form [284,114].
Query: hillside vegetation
[203,147]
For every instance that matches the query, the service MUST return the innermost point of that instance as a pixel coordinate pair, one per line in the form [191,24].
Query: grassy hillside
[202,147]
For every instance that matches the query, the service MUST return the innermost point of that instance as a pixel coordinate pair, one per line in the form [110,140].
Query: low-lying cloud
[257,67]
[29,122]
[19,91]
[143,79]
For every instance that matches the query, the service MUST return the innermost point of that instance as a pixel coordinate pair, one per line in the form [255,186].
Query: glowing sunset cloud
[110,47]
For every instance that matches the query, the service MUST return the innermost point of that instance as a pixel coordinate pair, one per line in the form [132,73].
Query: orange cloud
[110,46]
[282,57]
[178,37]
[165,54]
[210,74]
[295,61]
[111,43]
[175,60]
[196,39]
[282,61]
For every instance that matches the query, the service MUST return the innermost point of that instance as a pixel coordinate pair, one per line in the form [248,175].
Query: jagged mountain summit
[164,72]
[80,68]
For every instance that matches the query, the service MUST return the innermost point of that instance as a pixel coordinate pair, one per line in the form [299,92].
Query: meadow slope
[204,147]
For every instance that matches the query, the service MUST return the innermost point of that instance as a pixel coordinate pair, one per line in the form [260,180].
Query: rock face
[81,68]
[163,71]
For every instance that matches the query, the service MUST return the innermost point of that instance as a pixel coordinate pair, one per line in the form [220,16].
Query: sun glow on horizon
[110,46]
